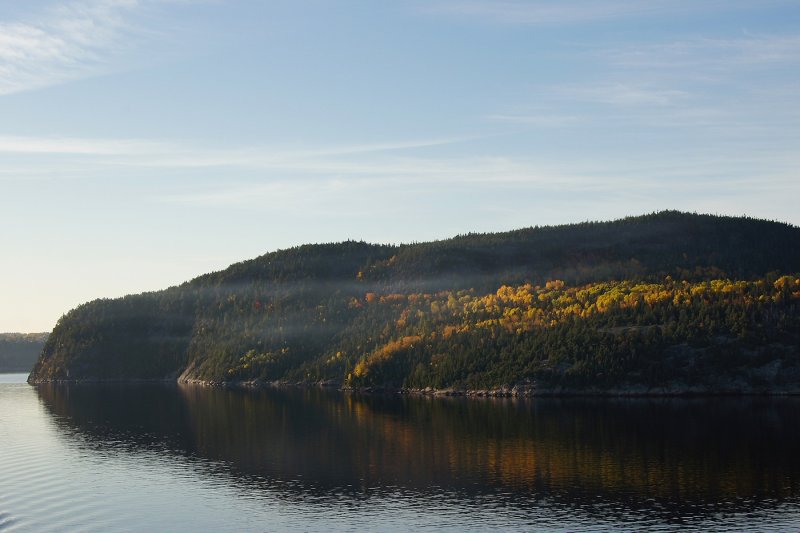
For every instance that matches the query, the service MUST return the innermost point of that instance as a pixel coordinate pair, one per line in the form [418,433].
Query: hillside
[668,301]
[19,351]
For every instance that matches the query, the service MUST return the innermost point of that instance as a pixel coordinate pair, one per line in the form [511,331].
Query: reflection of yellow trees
[565,451]
[670,451]
[558,450]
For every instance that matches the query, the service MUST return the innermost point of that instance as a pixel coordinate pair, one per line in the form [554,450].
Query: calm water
[119,458]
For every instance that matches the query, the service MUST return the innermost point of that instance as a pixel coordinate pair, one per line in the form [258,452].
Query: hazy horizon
[145,142]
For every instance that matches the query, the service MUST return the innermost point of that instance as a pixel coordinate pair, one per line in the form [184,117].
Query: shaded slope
[19,351]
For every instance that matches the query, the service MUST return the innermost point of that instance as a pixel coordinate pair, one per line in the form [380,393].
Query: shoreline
[526,391]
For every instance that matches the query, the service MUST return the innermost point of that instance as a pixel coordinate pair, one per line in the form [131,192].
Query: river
[170,458]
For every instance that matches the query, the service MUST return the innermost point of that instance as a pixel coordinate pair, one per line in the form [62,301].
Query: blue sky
[143,142]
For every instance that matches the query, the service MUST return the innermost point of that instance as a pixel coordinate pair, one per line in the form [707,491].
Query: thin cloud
[97,157]
[271,173]
[566,12]
[624,94]
[356,179]
[714,84]
[81,146]
[643,177]
[401,179]
[535,119]
[187,155]
[760,51]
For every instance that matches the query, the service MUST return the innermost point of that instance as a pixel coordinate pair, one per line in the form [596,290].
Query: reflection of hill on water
[636,453]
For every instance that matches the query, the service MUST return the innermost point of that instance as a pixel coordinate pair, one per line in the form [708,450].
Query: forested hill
[668,301]
[19,351]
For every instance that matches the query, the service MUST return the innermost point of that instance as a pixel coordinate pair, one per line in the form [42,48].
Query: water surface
[121,458]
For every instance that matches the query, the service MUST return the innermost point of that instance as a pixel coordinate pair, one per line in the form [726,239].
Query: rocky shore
[525,389]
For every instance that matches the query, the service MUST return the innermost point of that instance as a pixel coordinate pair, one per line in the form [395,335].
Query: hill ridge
[319,312]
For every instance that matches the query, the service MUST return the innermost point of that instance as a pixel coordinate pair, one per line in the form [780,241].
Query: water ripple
[95,459]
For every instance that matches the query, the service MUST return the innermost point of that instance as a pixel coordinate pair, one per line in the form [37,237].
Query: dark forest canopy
[19,351]
[668,301]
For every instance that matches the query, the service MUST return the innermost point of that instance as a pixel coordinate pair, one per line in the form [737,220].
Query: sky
[145,142]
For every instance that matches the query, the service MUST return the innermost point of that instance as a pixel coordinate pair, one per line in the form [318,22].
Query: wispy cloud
[373,179]
[545,12]
[395,190]
[82,146]
[747,50]
[358,186]
[543,120]
[28,157]
[500,183]
[623,94]
[272,171]
[740,87]
[64,42]
[171,153]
